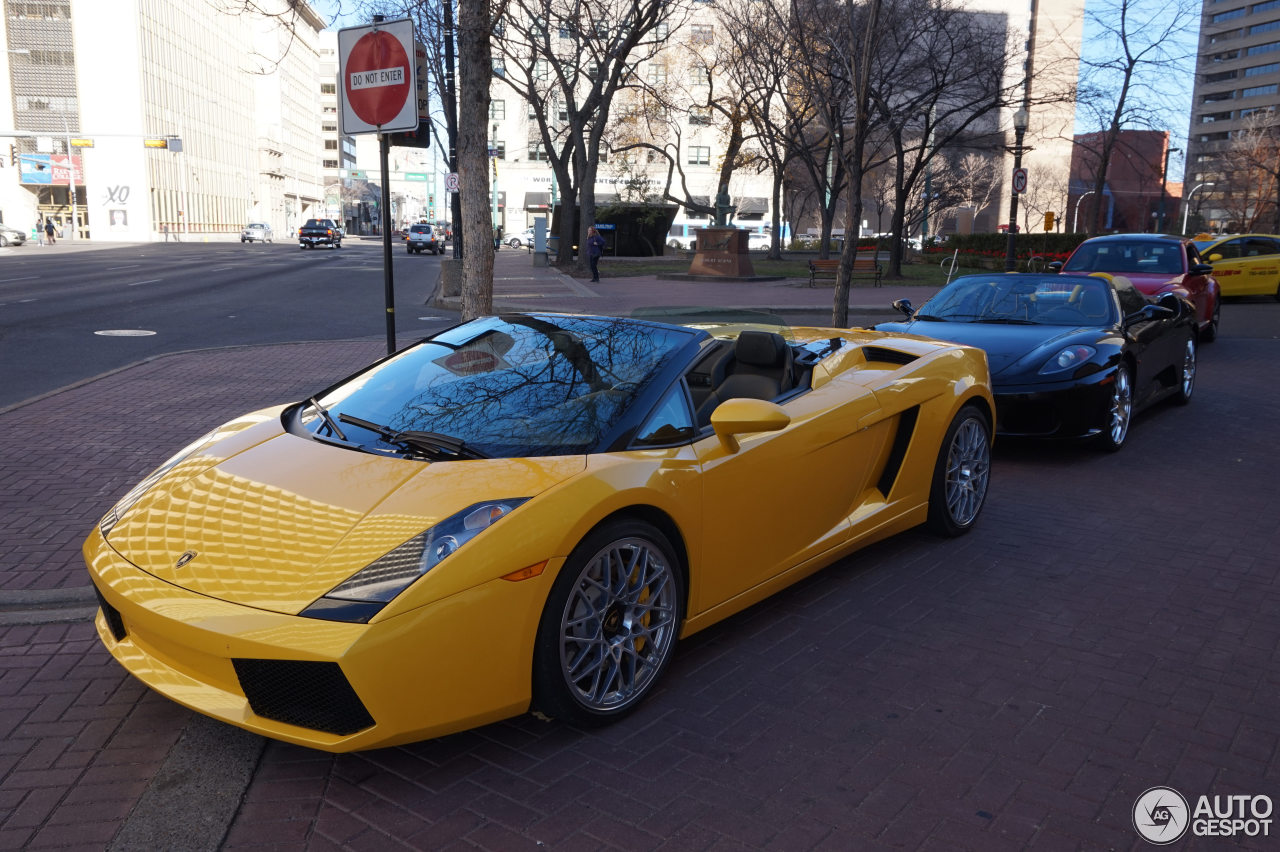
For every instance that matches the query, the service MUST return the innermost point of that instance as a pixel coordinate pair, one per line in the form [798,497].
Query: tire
[1186,373]
[961,474]
[1119,413]
[513,242]
[408,250]
[1209,333]
[606,635]
[242,241]
[4,241]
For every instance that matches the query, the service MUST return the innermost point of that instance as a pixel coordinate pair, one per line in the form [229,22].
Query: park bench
[864,268]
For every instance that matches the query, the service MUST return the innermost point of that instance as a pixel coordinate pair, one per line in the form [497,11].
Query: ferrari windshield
[1076,300]
[510,386]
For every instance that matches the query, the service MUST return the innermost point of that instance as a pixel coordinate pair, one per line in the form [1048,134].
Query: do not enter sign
[377,79]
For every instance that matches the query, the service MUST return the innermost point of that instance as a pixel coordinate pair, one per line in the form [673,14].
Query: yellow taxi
[1244,264]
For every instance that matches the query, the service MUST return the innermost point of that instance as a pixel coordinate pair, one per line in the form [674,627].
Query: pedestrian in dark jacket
[48,231]
[595,248]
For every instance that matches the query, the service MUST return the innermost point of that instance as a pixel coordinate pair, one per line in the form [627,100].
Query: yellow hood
[279,524]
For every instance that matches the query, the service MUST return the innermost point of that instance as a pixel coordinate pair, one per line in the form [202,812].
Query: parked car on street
[320,232]
[256,232]
[525,510]
[11,236]
[1156,264]
[524,238]
[1243,264]
[1071,356]
[423,237]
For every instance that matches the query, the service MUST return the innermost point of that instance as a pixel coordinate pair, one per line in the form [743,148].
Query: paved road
[1111,625]
[56,303]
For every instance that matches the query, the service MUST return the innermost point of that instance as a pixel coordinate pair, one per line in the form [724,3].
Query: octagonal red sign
[378,78]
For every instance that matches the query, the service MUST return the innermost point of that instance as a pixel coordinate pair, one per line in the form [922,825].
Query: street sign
[1019,181]
[357,174]
[451,182]
[81,143]
[155,143]
[376,78]
[416,176]
[420,138]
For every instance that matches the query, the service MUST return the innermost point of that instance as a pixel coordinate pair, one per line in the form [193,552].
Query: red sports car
[1156,264]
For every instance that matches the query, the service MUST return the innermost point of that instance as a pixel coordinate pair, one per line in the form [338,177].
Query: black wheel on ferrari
[1119,413]
[1209,333]
[610,624]
[1187,373]
[961,474]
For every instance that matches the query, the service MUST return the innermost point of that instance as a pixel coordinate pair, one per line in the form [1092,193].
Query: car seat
[759,368]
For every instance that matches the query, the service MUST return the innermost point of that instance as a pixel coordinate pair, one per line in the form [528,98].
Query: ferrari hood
[1005,345]
[279,524]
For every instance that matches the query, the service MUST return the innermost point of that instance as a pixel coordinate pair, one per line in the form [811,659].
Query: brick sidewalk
[1109,626]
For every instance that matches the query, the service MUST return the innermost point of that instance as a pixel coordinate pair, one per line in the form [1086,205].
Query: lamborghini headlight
[1068,359]
[365,592]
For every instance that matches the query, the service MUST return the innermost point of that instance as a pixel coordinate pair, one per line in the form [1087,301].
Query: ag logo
[186,557]
[1160,815]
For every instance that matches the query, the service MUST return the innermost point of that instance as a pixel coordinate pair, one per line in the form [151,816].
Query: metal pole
[1164,182]
[71,164]
[1010,258]
[1075,217]
[1186,204]
[384,148]
[451,124]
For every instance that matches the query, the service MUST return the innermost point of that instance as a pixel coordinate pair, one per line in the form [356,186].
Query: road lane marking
[23,278]
[149,281]
[124,332]
[130,266]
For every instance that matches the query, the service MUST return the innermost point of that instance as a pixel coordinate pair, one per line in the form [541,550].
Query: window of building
[699,116]
[328,88]
[701,34]
[1264,28]
[1265,6]
[1262,69]
[497,109]
[1227,36]
[1220,76]
[1247,112]
[1226,56]
[329,126]
[700,75]
[1216,116]
[661,30]
[329,164]
[499,150]
[699,155]
[541,69]
[1218,96]
[657,75]
[1227,16]
[1260,90]
[331,144]
[566,31]
[1214,137]
[1262,48]
[499,67]
[537,152]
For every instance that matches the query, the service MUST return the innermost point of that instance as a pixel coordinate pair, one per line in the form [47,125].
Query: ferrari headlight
[1068,359]
[125,503]
[391,574]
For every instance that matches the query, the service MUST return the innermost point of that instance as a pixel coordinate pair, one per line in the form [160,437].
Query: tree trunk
[476,71]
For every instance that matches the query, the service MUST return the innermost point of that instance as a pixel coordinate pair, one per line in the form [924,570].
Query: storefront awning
[537,200]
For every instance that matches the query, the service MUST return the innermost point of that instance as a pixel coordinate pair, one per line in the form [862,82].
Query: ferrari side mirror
[904,307]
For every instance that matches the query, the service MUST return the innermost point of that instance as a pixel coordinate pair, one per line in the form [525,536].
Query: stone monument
[722,248]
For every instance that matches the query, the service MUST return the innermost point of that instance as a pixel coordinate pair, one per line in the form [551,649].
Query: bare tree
[1138,59]
[475,71]
[1247,174]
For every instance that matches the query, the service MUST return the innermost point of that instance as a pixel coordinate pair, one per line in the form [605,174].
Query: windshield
[1156,257]
[1075,300]
[512,386]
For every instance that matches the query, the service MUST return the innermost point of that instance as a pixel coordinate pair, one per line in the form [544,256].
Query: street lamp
[1186,204]
[493,163]
[1164,180]
[1075,217]
[1019,129]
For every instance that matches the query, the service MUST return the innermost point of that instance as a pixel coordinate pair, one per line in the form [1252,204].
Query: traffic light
[1048,220]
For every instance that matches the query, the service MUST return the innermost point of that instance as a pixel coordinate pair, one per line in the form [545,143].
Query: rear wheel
[609,625]
[1187,373]
[961,474]
[1119,413]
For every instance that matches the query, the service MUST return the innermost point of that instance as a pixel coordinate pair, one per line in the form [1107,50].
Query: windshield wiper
[328,420]
[442,447]
[929,317]
[1008,320]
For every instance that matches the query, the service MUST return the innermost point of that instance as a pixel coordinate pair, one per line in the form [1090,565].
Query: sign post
[377,82]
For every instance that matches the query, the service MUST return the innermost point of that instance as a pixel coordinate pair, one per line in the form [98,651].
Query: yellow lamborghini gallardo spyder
[523,511]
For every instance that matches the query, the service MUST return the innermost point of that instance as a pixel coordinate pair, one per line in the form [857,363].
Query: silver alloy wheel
[618,625]
[968,471]
[1121,407]
[1188,368]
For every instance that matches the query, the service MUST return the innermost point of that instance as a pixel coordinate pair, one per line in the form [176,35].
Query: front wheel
[961,474]
[1119,413]
[609,625]
[1209,333]
[1187,373]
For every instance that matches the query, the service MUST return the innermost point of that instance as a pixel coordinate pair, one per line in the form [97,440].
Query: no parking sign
[1019,180]
[376,78]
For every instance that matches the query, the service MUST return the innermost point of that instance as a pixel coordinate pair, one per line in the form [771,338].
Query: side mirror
[1172,302]
[1150,312]
[903,306]
[1200,269]
[735,417]
[1215,257]
[1055,266]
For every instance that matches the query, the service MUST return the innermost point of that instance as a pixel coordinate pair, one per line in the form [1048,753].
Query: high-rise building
[1237,84]
[169,120]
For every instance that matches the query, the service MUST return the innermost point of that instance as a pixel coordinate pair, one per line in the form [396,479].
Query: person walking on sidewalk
[48,231]
[595,248]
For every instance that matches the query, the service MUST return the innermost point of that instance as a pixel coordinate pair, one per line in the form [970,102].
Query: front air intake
[305,693]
